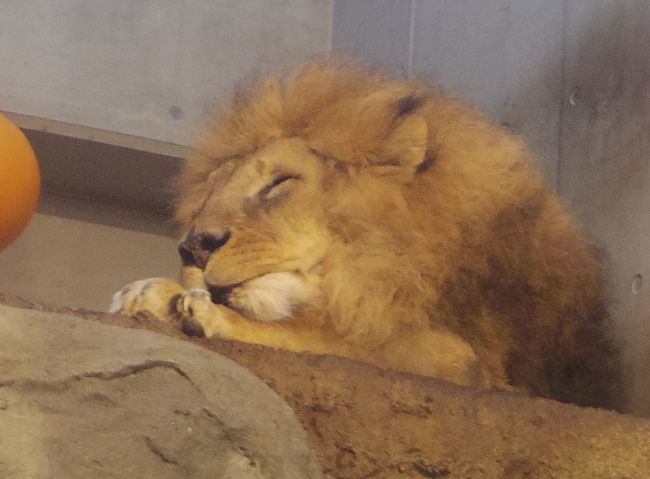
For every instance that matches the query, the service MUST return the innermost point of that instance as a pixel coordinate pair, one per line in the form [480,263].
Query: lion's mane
[470,238]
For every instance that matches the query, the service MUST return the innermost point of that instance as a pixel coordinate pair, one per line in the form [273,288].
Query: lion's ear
[406,146]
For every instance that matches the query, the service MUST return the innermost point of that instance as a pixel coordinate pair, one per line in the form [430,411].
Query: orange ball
[20,182]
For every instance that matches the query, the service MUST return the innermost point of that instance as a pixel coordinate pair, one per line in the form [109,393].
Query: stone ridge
[81,399]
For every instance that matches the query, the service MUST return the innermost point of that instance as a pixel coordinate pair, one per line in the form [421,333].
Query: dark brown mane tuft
[426,164]
[409,104]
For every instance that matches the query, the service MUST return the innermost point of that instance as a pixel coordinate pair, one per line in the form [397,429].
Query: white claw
[116,303]
[134,289]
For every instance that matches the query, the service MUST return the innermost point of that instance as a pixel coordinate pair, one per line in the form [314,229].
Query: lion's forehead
[279,157]
[231,189]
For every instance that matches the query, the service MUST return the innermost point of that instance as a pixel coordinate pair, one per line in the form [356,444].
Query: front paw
[199,316]
[155,296]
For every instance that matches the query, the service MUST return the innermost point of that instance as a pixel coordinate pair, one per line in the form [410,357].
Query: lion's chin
[270,297]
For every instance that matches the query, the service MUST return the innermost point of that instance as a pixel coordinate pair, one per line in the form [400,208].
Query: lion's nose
[196,248]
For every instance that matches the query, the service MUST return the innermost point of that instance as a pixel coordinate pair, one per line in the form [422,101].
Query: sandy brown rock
[370,423]
[80,399]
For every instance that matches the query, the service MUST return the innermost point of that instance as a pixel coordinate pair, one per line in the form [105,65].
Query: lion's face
[260,232]
[316,212]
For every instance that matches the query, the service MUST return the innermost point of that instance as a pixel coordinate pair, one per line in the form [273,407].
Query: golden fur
[404,230]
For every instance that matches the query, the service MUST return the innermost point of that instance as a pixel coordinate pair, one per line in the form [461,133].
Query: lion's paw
[200,316]
[153,295]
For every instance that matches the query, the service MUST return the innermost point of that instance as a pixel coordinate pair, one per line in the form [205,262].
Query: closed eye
[271,189]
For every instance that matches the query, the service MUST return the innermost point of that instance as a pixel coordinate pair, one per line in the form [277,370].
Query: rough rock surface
[80,399]
[369,423]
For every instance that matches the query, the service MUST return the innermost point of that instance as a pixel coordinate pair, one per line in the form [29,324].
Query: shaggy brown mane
[329,99]
[427,232]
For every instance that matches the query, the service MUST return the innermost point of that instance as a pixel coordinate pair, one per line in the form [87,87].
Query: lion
[338,211]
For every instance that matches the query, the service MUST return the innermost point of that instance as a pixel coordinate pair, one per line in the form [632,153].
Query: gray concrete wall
[146,68]
[604,170]
[573,77]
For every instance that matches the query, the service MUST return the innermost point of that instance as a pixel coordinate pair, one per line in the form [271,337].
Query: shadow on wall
[604,172]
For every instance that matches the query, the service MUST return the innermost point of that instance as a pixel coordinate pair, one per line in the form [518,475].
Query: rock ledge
[81,399]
